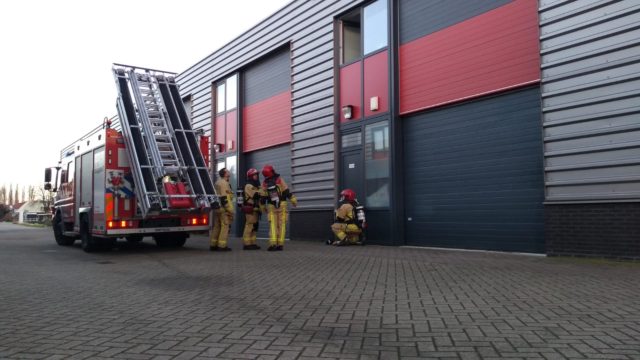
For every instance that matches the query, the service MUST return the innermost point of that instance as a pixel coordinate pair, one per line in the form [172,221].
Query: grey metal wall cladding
[474,175]
[423,17]
[590,89]
[267,78]
[307,27]
[280,158]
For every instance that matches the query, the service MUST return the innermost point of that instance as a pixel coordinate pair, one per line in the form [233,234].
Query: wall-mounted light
[347,111]
[217,147]
[374,103]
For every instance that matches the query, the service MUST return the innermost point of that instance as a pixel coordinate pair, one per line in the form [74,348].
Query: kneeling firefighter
[250,205]
[276,194]
[349,220]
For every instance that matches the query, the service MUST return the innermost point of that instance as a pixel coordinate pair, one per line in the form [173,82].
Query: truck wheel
[58,228]
[180,240]
[170,240]
[89,243]
[134,238]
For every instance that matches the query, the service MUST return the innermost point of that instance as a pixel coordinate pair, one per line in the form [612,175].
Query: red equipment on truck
[148,179]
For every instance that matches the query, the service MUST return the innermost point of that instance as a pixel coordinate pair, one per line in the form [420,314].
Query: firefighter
[224,214]
[252,209]
[276,194]
[346,227]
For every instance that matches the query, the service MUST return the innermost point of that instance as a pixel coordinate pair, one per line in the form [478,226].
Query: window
[351,38]
[221,164]
[377,164]
[354,139]
[220,98]
[227,94]
[224,123]
[232,92]
[229,163]
[373,22]
[231,166]
[375,26]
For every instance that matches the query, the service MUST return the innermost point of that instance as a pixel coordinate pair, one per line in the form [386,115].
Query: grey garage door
[473,175]
[280,158]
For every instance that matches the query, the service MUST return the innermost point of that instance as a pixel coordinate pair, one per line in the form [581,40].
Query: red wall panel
[376,83]
[351,90]
[491,52]
[230,131]
[219,132]
[267,122]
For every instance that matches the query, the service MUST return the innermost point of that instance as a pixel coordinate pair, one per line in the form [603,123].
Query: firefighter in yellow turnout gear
[346,227]
[251,209]
[223,215]
[276,194]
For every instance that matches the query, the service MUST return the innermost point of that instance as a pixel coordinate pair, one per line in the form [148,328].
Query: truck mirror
[47,186]
[47,175]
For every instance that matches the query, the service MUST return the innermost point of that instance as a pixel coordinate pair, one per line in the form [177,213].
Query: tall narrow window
[375,26]
[231,166]
[220,98]
[232,92]
[350,38]
[377,164]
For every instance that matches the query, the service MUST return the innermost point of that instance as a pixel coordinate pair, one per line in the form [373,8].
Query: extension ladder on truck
[168,168]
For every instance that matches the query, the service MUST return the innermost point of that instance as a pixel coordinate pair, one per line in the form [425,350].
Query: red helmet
[348,194]
[268,171]
[251,172]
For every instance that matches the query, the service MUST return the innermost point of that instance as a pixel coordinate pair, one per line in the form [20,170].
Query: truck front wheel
[58,231]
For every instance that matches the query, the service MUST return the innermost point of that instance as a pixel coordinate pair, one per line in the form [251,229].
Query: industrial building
[510,125]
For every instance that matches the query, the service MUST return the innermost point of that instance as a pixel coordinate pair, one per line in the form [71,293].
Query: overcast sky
[56,58]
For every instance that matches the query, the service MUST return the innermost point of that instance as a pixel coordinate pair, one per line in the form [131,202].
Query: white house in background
[30,212]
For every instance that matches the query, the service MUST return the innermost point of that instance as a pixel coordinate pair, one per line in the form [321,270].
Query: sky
[56,57]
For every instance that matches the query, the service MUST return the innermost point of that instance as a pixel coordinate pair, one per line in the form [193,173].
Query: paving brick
[396,303]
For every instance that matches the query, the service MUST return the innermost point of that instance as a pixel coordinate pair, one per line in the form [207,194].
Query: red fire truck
[141,174]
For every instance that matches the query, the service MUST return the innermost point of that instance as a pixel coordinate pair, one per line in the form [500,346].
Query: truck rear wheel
[133,239]
[58,231]
[170,240]
[89,243]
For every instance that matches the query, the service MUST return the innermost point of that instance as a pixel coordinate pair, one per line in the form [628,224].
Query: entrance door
[353,173]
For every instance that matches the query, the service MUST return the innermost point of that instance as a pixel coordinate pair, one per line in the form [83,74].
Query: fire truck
[142,173]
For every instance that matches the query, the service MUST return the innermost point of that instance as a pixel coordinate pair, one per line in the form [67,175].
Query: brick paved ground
[309,301]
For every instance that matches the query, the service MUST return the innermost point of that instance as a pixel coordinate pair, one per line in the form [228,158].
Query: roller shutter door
[280,158]
[473,175]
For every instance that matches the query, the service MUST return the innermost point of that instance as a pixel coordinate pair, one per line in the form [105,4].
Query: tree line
[15,195]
